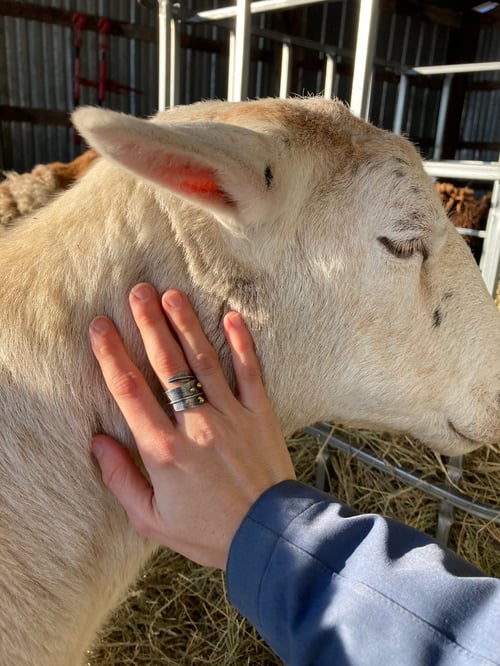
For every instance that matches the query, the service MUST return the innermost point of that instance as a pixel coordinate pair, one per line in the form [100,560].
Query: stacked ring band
[189,394]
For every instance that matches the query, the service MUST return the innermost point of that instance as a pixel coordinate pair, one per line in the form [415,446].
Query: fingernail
[235,319]
[142,292]
[99,325]
[173,299]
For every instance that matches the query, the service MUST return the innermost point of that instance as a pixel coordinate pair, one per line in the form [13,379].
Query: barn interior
[427,69]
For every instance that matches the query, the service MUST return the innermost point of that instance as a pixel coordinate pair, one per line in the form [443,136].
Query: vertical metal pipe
[446,510]
[490,258]
[329,75]
[443,110]
[164,15]
[241,50]
[322,55]
[286,59]
[363,64]
[400,105]
[175,58]
[231,66]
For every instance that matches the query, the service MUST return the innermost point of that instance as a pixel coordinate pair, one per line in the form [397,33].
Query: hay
[178,614]
[369,490]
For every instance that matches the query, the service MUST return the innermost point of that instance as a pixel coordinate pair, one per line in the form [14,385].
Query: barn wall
[37,60]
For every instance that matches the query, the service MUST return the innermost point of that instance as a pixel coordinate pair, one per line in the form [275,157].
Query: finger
[200,354]
[164,353]
[150,425]
[125,481]
[245,362]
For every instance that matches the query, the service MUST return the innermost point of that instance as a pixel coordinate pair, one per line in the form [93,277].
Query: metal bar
[230,69]
[363,63]
[255,8]
[241,60]
[471,232]
[164,16]
[304,42]
[443,112]
[175,59]
[437,490]
[463,169]
[400,105]
[465,68]
[329,75]
[286,64]
[490,258]
[446,514]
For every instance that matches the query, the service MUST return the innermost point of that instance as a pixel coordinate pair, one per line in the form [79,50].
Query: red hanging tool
[103,84]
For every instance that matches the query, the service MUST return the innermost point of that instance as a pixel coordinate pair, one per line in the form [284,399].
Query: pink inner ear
[187,177]
[197,180]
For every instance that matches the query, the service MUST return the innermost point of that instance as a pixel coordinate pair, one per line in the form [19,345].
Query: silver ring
[189,394]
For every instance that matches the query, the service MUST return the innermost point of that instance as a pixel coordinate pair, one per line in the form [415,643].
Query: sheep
[22,194]
[465,211]
[365,305]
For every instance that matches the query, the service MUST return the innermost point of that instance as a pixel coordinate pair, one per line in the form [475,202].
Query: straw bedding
[178,613]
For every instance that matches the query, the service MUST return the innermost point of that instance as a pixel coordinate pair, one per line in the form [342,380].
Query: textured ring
[189,394]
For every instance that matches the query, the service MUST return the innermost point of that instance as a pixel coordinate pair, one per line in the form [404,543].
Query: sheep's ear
[220,167]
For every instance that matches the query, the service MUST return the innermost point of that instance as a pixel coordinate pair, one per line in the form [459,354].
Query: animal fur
[22,194]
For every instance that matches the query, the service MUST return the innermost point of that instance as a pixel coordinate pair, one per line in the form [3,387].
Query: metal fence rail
[440,491]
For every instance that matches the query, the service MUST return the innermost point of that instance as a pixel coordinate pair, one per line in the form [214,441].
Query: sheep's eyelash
[404,249]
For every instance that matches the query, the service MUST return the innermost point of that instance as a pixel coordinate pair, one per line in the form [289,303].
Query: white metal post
[175,60]
[168,56]
[329,75]
[164,15]
[239,59]
[230,72]
[286,62]
[490,258]
[443,111]
[363,64]
[399,113]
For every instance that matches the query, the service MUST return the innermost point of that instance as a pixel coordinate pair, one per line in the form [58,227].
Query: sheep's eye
[404,249]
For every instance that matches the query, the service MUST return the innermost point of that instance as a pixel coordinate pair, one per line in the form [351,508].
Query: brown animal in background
[465,211]
[21,194]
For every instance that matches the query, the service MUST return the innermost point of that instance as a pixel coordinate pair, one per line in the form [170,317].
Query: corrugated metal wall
[481,113]
[36,69]
[36,72]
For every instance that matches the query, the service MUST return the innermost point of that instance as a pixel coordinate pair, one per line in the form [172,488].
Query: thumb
[127,483]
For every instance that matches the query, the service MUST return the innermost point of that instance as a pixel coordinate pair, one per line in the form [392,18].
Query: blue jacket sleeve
[325,586]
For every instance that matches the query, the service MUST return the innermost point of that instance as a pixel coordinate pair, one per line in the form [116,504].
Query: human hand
[207,465]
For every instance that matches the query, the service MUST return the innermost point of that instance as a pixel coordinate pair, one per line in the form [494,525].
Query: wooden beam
[19,114]
[33,12]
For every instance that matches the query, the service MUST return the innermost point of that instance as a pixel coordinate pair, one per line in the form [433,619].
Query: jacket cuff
[254,542]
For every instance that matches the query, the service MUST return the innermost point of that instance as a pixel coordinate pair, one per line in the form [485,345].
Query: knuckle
[251,371]
[206,363]
[164,364]
[124,385]
[205,434]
